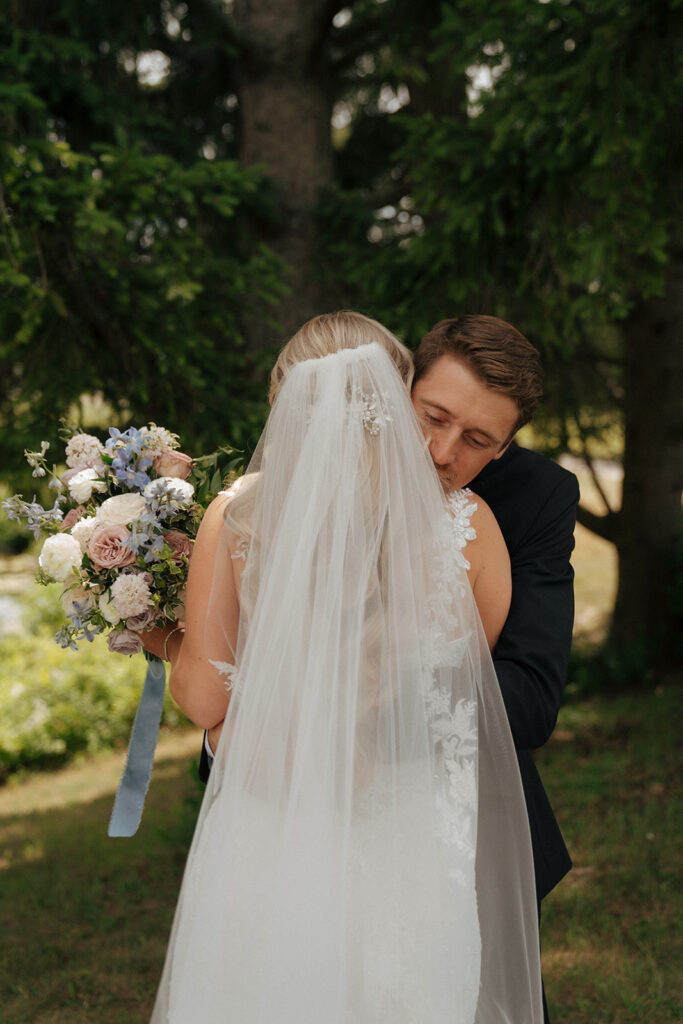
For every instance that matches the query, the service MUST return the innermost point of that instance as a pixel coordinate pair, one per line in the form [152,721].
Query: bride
[362,854]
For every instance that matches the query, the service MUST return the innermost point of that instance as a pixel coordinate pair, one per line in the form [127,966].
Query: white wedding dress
[362,853]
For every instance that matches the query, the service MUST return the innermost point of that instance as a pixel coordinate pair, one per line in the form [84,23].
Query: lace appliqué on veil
[225,668]
[241,550]
[453,726]
[372,408]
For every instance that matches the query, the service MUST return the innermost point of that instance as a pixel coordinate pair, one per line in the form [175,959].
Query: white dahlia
[130,594]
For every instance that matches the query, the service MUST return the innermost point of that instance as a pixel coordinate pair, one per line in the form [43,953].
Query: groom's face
[466,424]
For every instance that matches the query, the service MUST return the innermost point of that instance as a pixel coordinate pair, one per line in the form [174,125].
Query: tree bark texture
[650,523]
[285,114]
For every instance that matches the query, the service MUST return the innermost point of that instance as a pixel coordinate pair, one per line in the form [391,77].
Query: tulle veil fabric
[362,853]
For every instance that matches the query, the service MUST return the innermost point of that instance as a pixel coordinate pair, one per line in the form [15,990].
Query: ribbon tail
[130,795]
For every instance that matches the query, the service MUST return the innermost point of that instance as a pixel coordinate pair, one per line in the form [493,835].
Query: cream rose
[84,484]
[172,463]
[121,509]
[108,549]
[60,555]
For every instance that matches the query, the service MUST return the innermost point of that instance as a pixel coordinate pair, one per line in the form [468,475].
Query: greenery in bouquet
[119,535]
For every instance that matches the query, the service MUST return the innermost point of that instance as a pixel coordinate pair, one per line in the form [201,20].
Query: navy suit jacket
[534,501]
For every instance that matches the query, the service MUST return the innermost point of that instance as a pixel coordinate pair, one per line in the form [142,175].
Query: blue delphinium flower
[36,460]
[38,519]
[166,499]
[145,539]
[128,464]
[64,638]
[128,476]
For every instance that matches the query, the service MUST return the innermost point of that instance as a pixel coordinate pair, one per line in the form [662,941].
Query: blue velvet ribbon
[130,796]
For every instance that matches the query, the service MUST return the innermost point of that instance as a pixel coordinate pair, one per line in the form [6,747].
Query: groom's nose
[444,447]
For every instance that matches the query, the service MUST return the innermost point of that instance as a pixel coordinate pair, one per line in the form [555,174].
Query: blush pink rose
[179,544]
[171,463]
[72,517]
[124,641]
[107,547]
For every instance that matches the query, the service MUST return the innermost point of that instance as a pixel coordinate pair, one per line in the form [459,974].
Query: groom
[477,381]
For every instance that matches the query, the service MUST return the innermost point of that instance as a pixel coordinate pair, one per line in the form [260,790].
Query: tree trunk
[285,116]
[650,524]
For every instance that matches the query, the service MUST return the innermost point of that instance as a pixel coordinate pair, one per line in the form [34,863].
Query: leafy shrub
[55,704]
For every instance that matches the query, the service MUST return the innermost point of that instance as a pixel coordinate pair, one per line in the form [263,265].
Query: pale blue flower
[38,519]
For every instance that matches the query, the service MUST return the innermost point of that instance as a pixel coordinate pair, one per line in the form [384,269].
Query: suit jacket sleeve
[532,654]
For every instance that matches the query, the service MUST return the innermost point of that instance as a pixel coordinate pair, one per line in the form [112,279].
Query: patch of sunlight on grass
[88,779]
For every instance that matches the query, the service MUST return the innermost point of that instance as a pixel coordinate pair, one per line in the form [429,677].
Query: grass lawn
[84,919]
[612,929]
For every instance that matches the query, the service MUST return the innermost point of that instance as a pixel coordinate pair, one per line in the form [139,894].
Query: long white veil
[362,854]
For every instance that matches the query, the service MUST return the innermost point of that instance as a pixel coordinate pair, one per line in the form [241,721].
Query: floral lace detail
[456,733]
[462,509]
[453,726]
[374,409]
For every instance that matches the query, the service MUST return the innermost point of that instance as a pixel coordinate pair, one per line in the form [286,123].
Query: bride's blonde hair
[332,332]
[321,336]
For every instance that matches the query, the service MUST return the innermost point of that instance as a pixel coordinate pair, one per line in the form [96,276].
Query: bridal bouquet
[120,533]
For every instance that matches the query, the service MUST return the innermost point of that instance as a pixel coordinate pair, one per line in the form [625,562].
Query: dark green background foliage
[128,260]
[160,235]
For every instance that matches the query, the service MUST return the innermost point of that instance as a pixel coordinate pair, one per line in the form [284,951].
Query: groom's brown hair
[494,351]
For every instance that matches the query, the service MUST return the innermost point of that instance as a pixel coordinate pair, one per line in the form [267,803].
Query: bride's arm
[489,572]
[211,623]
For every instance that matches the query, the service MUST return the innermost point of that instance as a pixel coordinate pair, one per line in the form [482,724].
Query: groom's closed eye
[475,442]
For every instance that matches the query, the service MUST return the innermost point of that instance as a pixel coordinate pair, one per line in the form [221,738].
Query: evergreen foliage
[185,181]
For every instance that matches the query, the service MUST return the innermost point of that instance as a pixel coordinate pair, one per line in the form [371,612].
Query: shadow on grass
[84,919]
